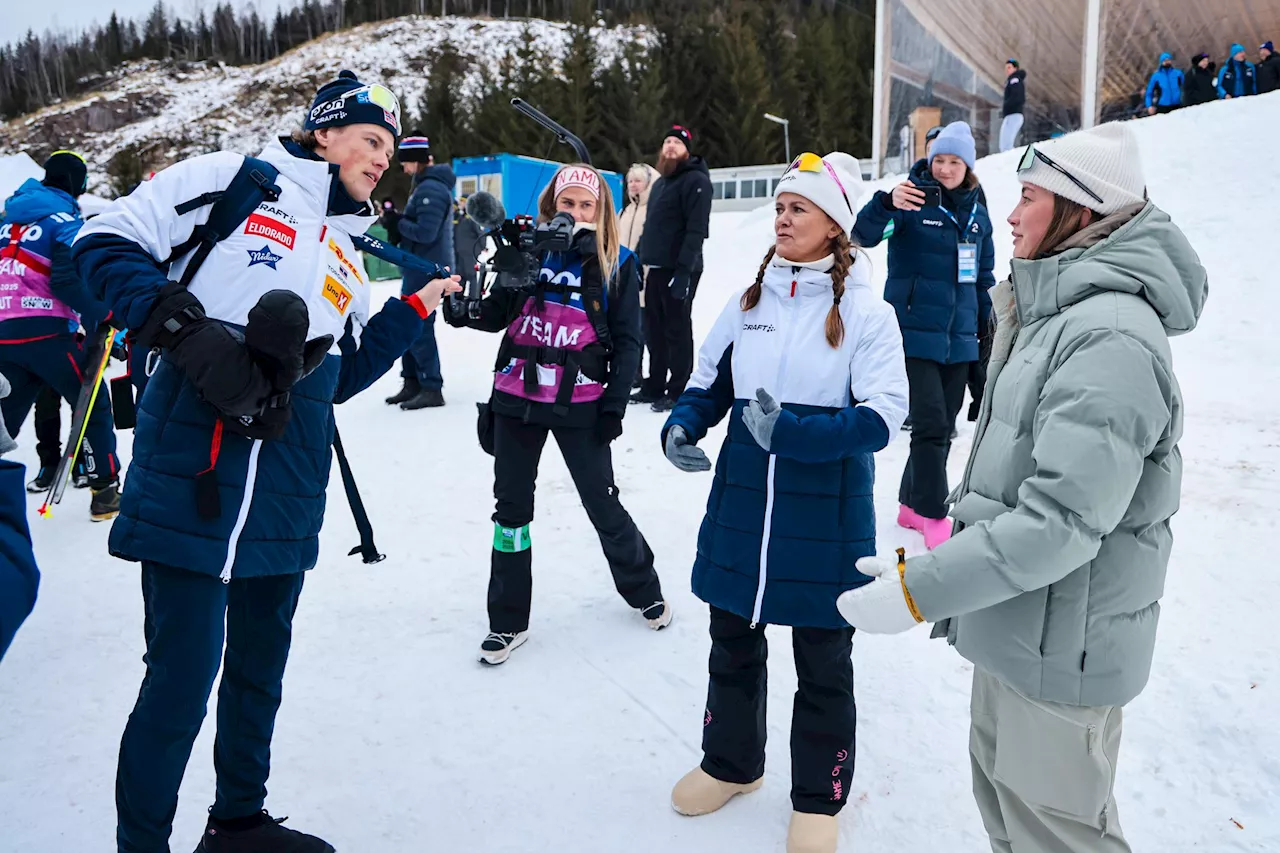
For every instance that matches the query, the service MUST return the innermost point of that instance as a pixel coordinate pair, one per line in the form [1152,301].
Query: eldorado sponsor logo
[337,295]
[273,229]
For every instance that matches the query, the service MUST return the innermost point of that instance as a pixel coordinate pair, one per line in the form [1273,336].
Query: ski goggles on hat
[380,96]
[809,162]
[1031,155]
[933,133]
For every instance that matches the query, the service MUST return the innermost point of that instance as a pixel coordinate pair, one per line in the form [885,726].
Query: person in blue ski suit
[941,268]
[1238,77]
[426,230]
[231,452]
[807,364]
[1164,89]
[43,304]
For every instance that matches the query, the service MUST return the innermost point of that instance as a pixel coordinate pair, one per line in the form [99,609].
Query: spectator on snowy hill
[41,316]
[1164,90]
[1201,84]
[1268,69]
[564,367]
[1239,76]
[676,224]
[234,438]
[19,577]
[426,230]
[941,266]
[807,365]
[1015,101]
[1051,584]
[640,181]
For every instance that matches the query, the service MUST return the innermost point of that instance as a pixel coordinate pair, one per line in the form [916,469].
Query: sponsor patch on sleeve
[273,229]
[337,295]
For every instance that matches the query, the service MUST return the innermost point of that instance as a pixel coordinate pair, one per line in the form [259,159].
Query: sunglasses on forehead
[380,96]
[808,162]
[1031,155]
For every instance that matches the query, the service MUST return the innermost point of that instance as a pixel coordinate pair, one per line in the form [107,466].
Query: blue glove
[761,417]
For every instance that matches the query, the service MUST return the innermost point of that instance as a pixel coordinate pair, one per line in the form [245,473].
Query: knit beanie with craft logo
[347,101]
[838,195]
[1105,159]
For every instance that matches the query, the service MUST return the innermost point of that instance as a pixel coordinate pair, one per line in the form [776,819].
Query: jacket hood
[643,198]
[442,172]
[1020,74]
[1141,253]
[921,176]
[694,163]
[34,201]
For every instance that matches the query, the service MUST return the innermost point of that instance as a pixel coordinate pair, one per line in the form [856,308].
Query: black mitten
[212,357]
[276,334]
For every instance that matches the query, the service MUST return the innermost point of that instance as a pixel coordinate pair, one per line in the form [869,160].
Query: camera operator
[570,350]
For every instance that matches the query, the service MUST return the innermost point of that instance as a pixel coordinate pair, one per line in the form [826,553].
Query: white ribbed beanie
[1104,159]
[839,197]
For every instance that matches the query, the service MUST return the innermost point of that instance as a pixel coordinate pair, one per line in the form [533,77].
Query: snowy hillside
[393,739]
[178,113]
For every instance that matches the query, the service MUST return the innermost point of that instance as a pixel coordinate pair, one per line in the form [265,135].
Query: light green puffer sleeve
[1102,411]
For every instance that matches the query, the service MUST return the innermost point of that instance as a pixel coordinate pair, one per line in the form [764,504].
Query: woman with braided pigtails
[807,363]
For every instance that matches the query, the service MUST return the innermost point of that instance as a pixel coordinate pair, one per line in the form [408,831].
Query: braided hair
[842,248]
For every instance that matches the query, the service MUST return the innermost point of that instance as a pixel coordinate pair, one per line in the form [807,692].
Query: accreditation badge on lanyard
[966,253]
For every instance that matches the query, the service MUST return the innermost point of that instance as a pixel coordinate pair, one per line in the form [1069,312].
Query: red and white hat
[578,176]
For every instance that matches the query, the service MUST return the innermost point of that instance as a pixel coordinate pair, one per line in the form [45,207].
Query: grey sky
[76,15]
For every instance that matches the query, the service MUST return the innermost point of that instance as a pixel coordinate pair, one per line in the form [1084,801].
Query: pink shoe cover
[936,531]
[909,518]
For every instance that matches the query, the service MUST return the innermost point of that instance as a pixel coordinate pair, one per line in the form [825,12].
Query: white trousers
[1009,130]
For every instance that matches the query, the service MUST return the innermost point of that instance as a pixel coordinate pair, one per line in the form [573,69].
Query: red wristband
[417,305]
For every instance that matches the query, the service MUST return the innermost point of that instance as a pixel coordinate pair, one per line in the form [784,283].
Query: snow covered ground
[393,739]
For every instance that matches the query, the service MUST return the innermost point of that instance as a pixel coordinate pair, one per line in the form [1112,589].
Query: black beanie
[347,101]
[683,134]
[66,171]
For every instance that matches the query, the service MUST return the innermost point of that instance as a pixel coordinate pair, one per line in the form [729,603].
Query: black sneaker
[645,398]
[43,480]
[664,405]
[408,391]
[266,835]
[79,476]
[427,398]
[496,648]
[104,505]
[658,615]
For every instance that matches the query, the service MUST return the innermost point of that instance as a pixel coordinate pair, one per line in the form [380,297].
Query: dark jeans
[824,716]
[937,392]
[668,334]
[58,362]
[421,361]
[188,616]
[517,450]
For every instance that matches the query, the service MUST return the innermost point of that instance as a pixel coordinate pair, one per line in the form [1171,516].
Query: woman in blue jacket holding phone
[941,262]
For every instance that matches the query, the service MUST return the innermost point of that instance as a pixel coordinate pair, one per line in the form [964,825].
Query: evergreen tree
[155,39]
[735,118]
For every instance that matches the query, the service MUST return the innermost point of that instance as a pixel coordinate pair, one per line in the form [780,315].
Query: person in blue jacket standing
[941,267]
[231,452]
[426,230]
[1164,89]
[1238,77]
[807,364]
[43,303]
[19,577]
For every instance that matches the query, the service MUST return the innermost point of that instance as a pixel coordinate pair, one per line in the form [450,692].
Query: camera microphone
[486,210]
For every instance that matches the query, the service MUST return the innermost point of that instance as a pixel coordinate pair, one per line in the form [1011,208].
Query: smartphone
[932,196]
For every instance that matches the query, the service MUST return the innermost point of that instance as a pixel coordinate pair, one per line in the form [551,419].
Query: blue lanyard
[964,232]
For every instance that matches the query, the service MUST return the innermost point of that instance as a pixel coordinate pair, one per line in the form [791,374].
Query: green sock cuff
[511,540]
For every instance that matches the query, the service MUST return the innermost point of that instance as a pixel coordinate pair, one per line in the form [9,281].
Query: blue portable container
[517,180]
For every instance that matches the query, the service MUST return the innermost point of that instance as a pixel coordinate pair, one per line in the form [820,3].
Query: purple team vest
[556,326]
[24,283]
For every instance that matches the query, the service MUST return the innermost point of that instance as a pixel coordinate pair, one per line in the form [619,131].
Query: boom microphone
[486,210]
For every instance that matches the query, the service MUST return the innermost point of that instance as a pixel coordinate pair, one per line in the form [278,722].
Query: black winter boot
[260,833]
[427,398]
[104,504]
[407,392]
[42,480]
